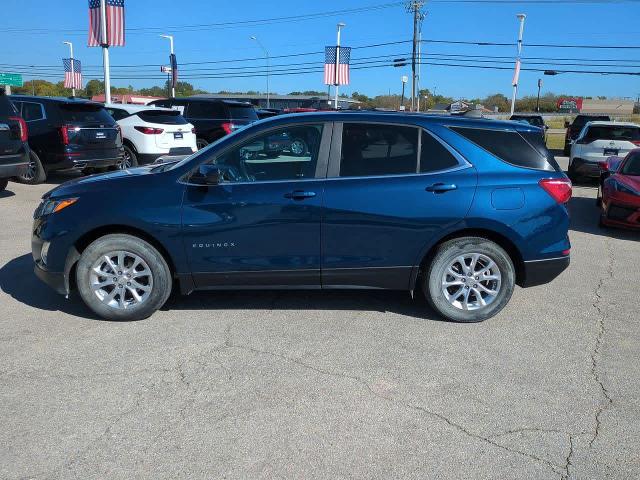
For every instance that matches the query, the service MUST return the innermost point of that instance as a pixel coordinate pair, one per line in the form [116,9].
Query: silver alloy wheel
[125,161]
[471,281]
[298,147]
[121,280]
[30,174]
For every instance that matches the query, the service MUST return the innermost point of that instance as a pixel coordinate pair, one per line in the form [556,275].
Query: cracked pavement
[325,385]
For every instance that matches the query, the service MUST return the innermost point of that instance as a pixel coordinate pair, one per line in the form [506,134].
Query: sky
[32,32]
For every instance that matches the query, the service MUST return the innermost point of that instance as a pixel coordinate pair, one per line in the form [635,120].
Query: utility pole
[105,51]
[73,89]
[516,75]
[538,101]
[415,7]
[266,54]
[171,53]
[340,25]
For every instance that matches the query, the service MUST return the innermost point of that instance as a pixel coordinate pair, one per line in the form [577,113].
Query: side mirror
[566,124]
[546,127]
[207,175]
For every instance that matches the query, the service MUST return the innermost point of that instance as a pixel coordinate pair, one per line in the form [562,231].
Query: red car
[619,191]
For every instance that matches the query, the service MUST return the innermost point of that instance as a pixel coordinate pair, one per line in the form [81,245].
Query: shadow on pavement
[585,216]
[18,280]
[6,193]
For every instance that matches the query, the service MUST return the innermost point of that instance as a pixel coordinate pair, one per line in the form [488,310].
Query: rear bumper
[586,168]
[65,162]
[14,165]
[539,272]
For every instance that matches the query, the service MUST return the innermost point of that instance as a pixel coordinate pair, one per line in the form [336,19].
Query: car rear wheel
[201,143]
[122,277]
[298,147]
[129,160]
[469,279]
[35,173]
[3,183]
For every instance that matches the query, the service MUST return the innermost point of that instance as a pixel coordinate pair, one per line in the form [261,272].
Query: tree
[496,100]
[93,88]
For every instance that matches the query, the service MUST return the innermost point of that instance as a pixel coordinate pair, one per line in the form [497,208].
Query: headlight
[624,189]
[53,206]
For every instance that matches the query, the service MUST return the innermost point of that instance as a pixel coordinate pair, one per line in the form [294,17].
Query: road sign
[165,69]
[11,79]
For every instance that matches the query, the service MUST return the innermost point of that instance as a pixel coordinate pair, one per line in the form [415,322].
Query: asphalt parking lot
[324,385]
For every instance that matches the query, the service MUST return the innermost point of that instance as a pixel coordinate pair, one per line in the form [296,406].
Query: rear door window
[163,117]
[434,156]
[509,146]
[85,114]
[375,150]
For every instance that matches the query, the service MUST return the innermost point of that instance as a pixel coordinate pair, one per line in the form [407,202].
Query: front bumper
[539,272]
[621,215]
[56,280]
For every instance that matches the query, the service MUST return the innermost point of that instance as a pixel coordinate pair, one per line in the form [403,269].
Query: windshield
[632,165]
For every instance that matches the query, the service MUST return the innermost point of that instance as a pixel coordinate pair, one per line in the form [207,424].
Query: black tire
[160,279]
[3,183]
[35,174]
[130,159]
[201,143]
[445,254]
[599,197]
[573,175]
[567,151]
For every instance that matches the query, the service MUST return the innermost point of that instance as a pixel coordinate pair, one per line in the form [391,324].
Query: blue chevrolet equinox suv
[460,209]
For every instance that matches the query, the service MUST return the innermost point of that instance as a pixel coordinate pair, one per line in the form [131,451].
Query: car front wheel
[122,277]
[469,279]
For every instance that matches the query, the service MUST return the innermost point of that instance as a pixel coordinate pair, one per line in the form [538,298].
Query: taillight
[149,130]
[64,133]
[558,188]
[24,133]
[193,130]
[228,127]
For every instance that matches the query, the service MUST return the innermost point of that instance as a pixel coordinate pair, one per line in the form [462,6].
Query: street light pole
[170,37]
[340,25]
[521,17]
[105,51]
[73,76]
[266,54]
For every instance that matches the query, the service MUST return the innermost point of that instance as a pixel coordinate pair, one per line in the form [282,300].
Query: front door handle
[299,195]
[441,187]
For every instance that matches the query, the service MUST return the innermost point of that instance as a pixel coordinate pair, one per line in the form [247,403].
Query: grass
[555,141]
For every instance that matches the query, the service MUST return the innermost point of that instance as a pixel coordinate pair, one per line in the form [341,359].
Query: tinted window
[206,110]
[537,142]
[242,112]
[607,132]
[535,121]
[32,111]
[85,113]
[286,154]
[378,150]
[631,165]
[434,156]
[117,113]
[8,108]
[581,121]
[508,145]
[163,117]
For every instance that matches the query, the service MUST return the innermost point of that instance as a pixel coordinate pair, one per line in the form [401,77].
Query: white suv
[596,142]
[152,132]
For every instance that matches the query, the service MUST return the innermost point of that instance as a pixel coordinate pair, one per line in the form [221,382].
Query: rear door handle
[299,195]
[441,187]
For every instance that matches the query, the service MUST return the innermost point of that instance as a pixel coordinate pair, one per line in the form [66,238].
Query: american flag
[72,79]
[115,23]
[342,76]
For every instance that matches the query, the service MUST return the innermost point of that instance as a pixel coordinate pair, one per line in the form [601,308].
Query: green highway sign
[12,79]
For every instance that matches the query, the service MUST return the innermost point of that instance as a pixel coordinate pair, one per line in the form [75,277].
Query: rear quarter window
[6,108]
[510,146]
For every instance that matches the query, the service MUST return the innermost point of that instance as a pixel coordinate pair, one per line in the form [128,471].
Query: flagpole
[521,17]
[105,51]
[340,25]
[73,73]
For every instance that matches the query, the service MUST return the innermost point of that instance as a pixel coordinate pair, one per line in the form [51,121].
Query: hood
[632,181]
[99,181]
